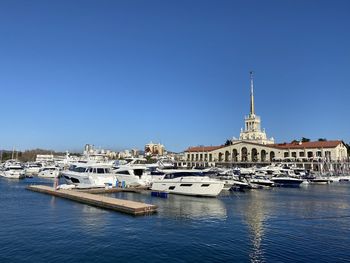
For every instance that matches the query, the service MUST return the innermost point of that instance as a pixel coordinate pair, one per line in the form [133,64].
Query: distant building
[89,149]
[44,158]
[98,154]
[154,149]
[134,152]
[124,154]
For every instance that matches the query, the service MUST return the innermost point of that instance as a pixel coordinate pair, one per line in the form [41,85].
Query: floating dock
[120,205]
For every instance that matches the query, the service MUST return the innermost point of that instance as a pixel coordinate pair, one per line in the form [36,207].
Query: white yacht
[320,180]
[31,169]
[130,162]
[134,175]
[286,180]
[89,175]
[260,179]
[188,182]
[49,172]
[13,171]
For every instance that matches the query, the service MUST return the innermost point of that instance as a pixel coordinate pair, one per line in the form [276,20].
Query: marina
[175,131]
[278,225]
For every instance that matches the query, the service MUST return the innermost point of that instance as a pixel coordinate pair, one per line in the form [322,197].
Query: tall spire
[252,110]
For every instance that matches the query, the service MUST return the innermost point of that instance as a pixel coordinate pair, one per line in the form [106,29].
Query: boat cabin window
[72,167]
[124,172]
[80,169]
[100,170]
[14,168]
[140,162]
[49,169]
[177,175]
[138,172]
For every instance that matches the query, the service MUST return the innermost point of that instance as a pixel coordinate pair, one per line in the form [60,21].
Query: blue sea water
[309,224]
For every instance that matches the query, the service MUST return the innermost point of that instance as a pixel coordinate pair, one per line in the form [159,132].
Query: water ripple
[280,225]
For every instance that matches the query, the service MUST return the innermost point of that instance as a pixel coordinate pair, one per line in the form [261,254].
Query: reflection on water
[255,215]
[278,225]
[94,219]
[193,208]
[180,206]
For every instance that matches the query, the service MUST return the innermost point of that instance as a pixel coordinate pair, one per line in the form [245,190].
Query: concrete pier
[120,205]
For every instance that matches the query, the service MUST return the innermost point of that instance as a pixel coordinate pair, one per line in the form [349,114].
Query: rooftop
[302,145]
[203,148]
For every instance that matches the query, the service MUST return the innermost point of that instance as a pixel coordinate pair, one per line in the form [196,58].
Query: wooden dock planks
[109,190]
[120,205]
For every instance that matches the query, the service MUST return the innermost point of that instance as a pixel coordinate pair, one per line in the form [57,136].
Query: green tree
[347,145]
[305,139]
[228,142]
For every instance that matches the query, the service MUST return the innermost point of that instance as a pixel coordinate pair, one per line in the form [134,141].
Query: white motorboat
[89,175]
[49,172]
[236,184]
[286,181]
[188,182]
[320,180]
[31,169]
[260,180]
[134,175]
[13,171]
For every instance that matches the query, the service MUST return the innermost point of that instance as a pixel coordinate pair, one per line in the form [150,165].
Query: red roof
[203,148]
[302,145]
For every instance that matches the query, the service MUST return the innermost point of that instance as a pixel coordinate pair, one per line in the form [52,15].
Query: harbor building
[254,147]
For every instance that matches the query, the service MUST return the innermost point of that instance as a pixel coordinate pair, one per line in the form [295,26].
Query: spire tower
[252,131]
[252,109]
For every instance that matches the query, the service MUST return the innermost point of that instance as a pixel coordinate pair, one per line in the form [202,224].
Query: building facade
[152,149]
[252,153]
[253,147]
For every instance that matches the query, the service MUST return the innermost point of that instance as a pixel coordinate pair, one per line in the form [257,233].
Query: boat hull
[13,175]
[204,188]
[91,180]
[287,182]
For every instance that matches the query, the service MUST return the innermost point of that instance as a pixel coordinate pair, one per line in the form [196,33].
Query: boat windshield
[181,174]
[98,170]
[14,168]
[49,169]
[78,169]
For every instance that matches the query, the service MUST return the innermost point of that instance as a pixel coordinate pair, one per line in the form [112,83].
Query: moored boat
[13,171]
[261,180]
[286,181]
[49,172]
[89,175]
[188,182]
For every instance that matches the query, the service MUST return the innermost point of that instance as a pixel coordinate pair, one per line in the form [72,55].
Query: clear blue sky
[119,74]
